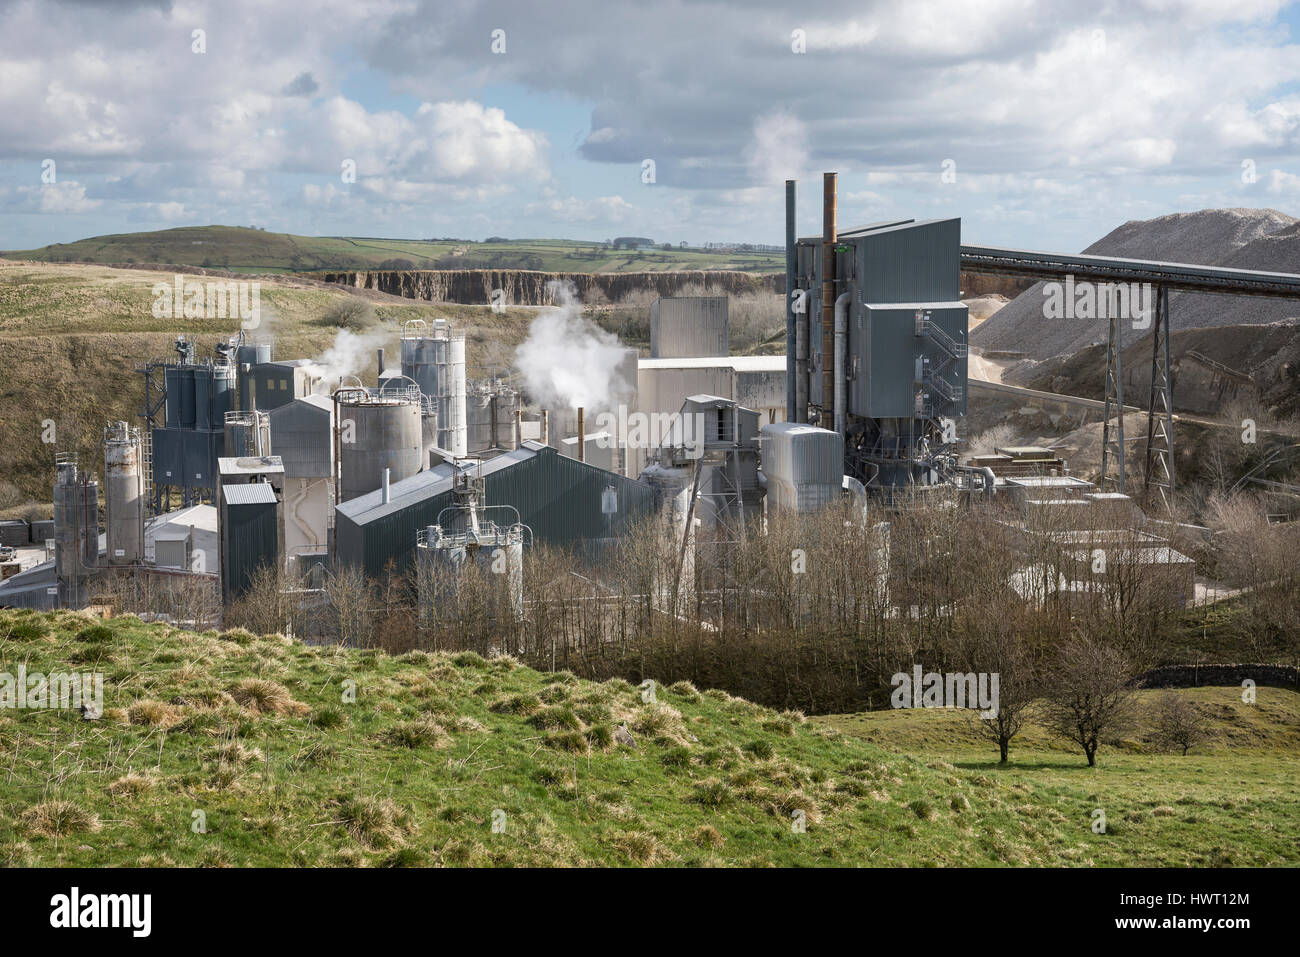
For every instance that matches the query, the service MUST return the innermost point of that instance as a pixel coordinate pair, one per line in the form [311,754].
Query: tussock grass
[58,818]
[373,822]
[155,713]
[266,697]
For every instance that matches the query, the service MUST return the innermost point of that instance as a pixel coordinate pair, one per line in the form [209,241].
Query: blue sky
[1055,123]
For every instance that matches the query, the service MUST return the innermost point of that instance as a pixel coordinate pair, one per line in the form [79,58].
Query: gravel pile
[1239,238]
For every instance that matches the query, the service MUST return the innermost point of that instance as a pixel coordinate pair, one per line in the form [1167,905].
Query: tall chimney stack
[829,236]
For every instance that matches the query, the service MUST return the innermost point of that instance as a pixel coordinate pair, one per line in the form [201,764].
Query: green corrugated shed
[250,534]
[559,498]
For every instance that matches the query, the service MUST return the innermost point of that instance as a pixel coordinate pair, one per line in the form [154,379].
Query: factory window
[284,384]
[270,385]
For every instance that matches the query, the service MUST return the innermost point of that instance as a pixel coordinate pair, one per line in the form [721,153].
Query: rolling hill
[243,249]
[233,749]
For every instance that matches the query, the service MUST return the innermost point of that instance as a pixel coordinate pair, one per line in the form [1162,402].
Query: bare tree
[349,596]
[264,607]
[1178,724]
[1089,697]
[998,649]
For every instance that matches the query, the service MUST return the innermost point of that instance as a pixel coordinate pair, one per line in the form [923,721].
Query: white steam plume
[568,362]
[349,354]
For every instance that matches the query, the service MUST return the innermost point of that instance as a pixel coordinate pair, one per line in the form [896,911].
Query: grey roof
[287,363]
[253,493]
[322,402]
[417,488]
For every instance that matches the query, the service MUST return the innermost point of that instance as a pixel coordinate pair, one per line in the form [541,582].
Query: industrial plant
[244,462]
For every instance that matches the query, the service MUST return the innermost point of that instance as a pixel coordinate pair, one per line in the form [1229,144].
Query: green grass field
[242,249]
[258,739]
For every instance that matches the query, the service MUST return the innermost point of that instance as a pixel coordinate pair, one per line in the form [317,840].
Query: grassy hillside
[1230,802]
[240,248]
[72,336]
[255,737]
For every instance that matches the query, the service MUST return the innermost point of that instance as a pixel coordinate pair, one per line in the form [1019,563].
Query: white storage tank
[434,358]
[804,465]
[124,494]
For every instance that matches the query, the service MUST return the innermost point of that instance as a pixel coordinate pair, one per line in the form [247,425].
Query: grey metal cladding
[301,435]
[915,262]
[688,326]
[250,536]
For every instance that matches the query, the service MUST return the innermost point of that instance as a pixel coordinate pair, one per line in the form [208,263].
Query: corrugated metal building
[685,326]
[278,382]
[559,498]
[250,534]
[302,434]
[804,466]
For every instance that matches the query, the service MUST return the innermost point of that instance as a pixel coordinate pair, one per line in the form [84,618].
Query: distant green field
[1230,802]
[241,249]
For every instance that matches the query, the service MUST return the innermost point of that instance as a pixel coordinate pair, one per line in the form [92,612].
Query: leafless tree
[1177,723]
[349,597]
[1089,697]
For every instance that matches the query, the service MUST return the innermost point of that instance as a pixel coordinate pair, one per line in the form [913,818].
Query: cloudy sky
[1042,124]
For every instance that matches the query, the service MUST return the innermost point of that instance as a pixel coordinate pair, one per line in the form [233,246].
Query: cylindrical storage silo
[248,434]
[203,397]
[376,434]
[428,433]
[449,368]
[185,383]
[90,522]
[478,421]
[123,495]
[246,357]
[172,383]
[506,405]
[436,363]
[223,393]
[76,531]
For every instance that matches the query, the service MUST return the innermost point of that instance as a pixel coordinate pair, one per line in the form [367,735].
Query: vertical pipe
[519,427]
[801,364]
[546,426]
[789,305]
[582,438]
[384,497]
[829,235]
[379,370]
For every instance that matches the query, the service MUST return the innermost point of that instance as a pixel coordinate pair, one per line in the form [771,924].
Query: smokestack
[790,239]
[546,427]
[519,427]
[384,487]
[582,438]
[379,373]
[829,234]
